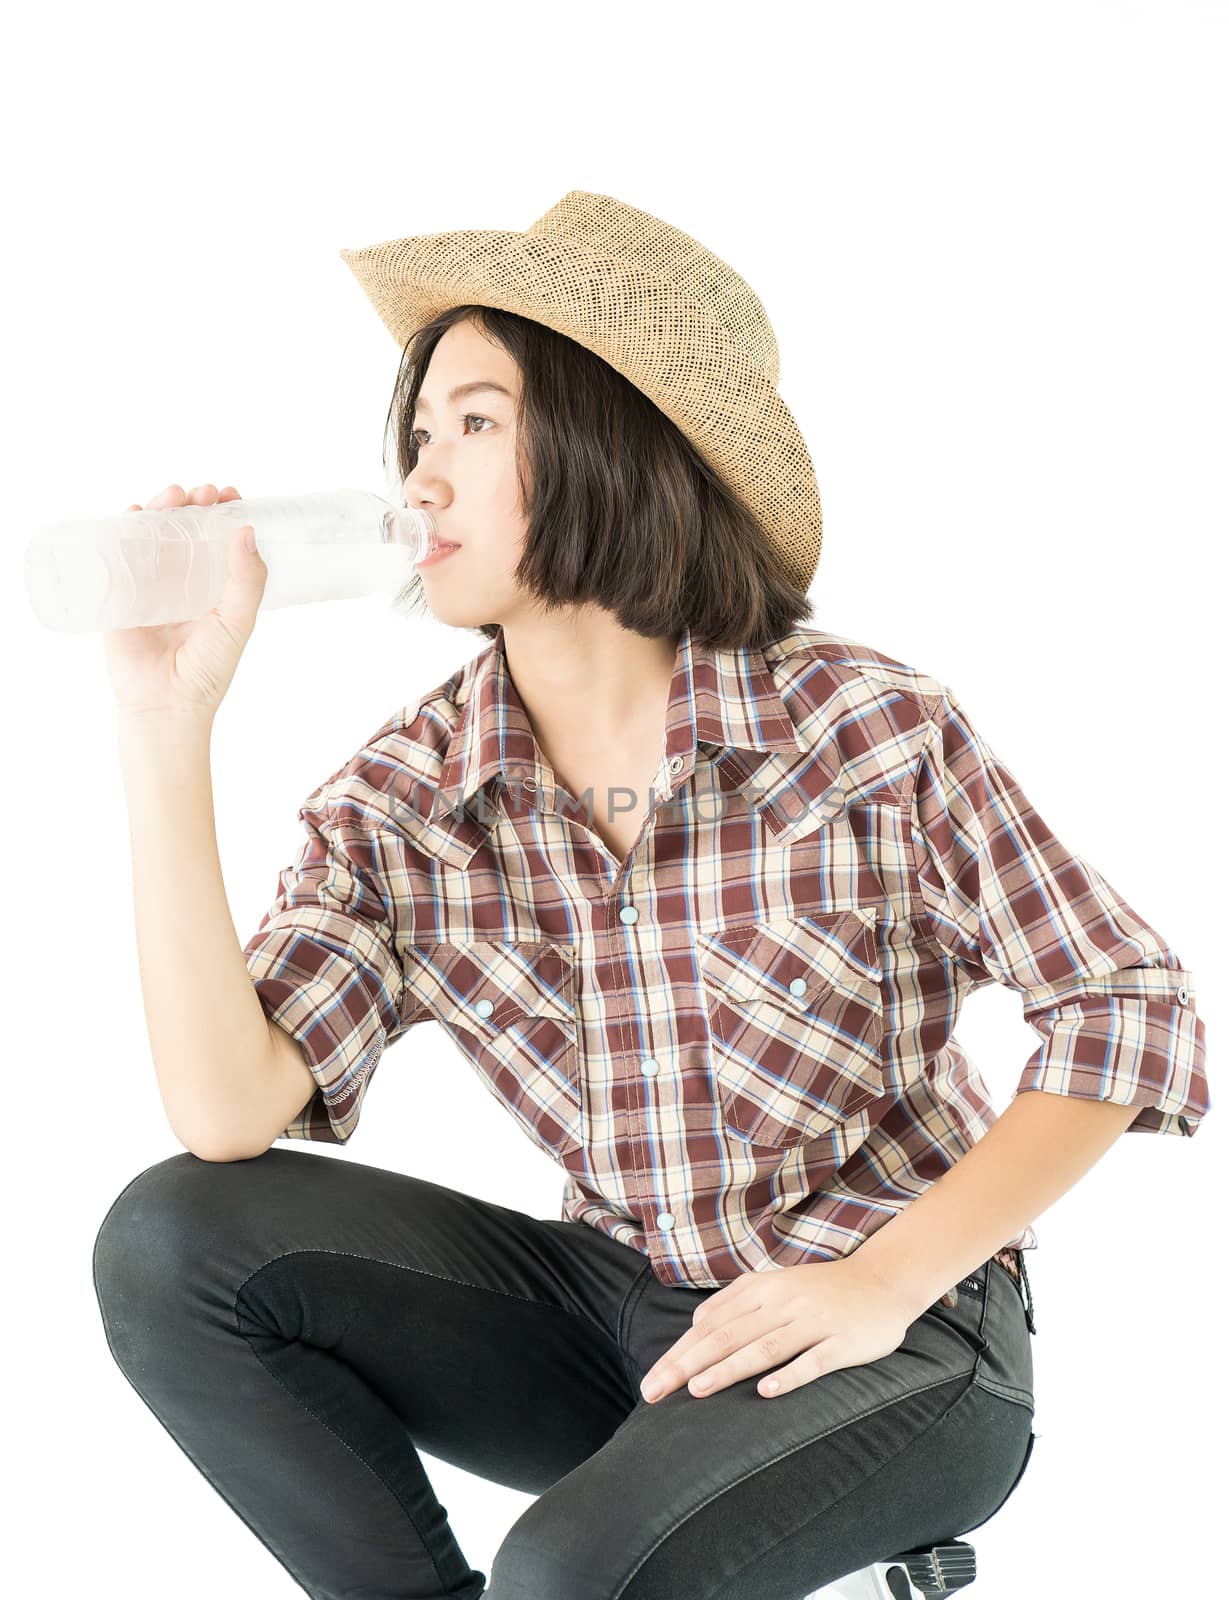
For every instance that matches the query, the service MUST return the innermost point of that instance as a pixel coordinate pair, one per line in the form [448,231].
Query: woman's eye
[469,417]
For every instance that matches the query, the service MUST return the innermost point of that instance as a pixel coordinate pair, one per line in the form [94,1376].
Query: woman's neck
[588,684]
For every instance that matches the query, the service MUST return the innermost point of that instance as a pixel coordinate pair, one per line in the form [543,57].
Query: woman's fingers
[201,494]
[205,494]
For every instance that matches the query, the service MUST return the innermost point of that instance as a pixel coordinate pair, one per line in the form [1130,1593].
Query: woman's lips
[438,554]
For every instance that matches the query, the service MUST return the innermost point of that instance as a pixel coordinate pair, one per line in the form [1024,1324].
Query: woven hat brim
[686,362]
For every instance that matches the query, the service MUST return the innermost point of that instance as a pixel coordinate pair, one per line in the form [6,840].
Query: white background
[991,243]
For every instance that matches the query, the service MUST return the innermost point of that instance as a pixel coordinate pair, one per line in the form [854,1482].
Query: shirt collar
[725,698]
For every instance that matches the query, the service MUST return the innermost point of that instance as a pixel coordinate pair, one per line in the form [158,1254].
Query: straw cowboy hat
[655,305]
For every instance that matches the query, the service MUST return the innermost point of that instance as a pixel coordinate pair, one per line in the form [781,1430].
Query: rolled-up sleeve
[325,966]
[1108,996]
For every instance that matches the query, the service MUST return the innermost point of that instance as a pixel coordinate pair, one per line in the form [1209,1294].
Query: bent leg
[302,1326]
[734,1496]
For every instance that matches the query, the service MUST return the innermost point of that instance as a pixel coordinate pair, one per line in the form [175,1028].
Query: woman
[698,891]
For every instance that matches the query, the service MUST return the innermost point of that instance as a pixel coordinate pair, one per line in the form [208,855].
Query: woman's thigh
[301,1324]
[734,1496]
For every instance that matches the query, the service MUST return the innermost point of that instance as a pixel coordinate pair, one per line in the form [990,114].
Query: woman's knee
[152,1227]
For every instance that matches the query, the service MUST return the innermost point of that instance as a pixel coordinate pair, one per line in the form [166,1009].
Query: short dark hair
[621,509]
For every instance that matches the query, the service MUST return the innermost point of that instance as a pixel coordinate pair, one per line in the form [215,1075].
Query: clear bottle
[169,564]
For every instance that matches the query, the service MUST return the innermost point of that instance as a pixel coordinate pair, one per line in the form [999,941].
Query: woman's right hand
[187,666]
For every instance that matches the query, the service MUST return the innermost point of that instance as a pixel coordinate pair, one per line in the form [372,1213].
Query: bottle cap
[404,525]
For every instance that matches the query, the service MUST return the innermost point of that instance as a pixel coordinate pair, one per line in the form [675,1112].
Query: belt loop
[1028,1305]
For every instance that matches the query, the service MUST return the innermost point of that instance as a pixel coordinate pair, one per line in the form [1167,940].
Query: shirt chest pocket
[795,1015]
[511,1007]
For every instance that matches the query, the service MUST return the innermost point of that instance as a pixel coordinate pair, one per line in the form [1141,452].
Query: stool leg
[868,1584]
[923,1574]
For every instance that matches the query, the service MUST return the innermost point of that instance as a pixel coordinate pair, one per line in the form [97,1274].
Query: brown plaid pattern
[738,1043]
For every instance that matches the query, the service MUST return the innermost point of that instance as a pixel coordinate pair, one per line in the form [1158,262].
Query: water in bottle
[169,564]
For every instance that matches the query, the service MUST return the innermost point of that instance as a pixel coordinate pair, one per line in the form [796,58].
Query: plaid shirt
[737,1043]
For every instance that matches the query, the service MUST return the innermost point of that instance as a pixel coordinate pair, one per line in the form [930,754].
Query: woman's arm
[1032,1154]
[218,1074]
[1122,1046]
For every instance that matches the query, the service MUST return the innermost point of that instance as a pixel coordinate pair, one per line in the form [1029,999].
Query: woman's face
[466,478]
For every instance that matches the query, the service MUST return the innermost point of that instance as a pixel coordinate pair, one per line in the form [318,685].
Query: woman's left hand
[824,1314]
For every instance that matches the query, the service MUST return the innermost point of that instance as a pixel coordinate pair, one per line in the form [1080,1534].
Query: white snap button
[530,783]
[798,986]
[1183,995]
[649,1067]
[484,1008]
[676,763]
[665,1220]
[629,914]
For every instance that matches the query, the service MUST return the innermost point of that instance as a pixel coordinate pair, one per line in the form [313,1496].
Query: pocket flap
[516,978]
[822,955]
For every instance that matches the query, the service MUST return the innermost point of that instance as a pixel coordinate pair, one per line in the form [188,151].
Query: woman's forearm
[1037,1149]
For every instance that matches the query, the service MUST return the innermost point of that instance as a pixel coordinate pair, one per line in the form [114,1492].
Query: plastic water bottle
[169,564]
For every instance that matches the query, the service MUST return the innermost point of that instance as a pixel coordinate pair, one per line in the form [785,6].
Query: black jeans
[303,1326]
